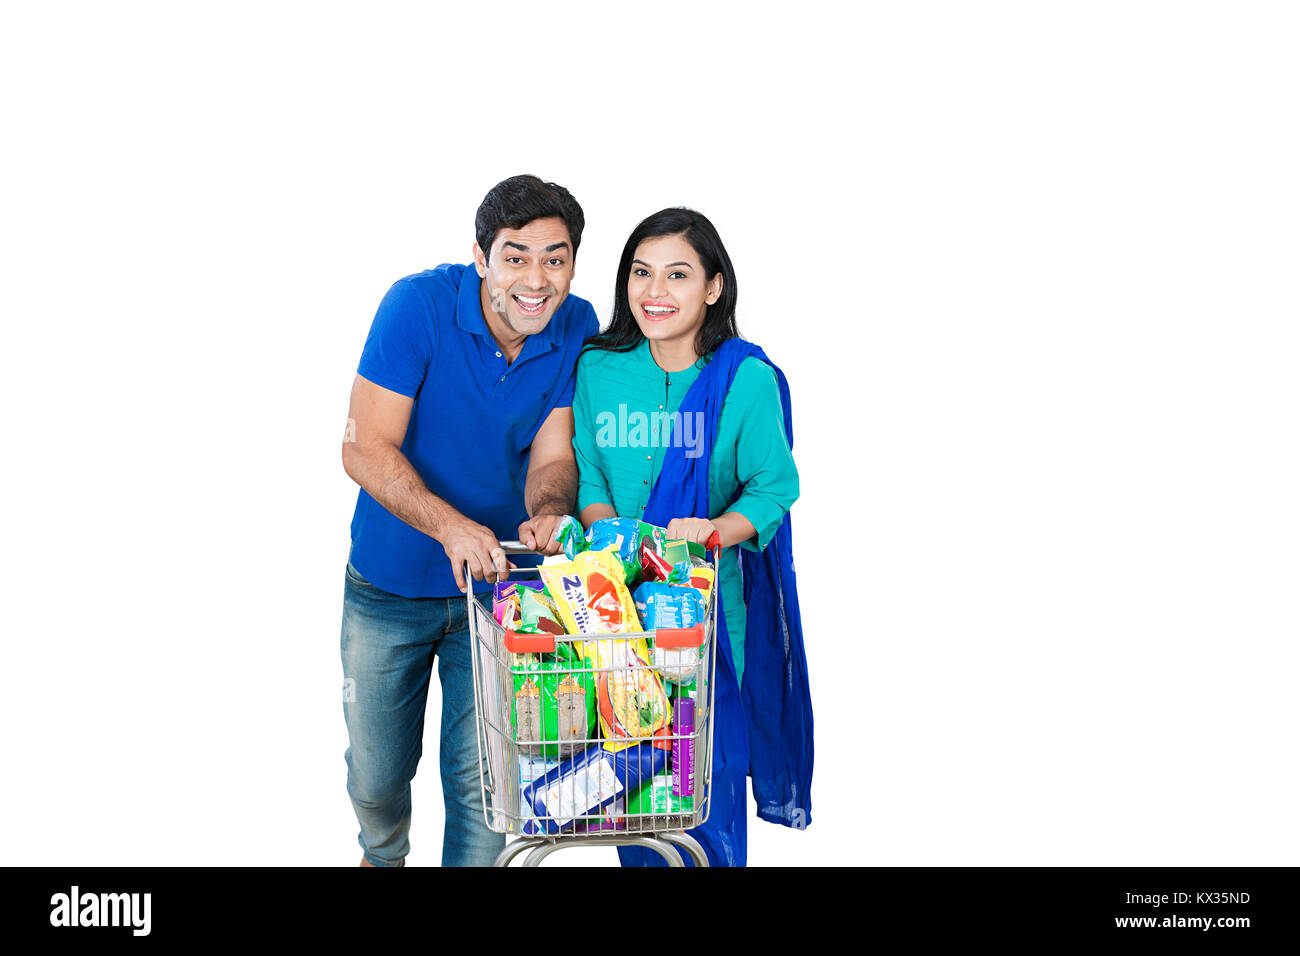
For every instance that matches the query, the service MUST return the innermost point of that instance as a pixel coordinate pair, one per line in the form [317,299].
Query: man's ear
[714,290]
[480,262]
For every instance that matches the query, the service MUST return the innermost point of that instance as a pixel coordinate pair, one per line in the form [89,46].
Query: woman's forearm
[595,513]
[734,528]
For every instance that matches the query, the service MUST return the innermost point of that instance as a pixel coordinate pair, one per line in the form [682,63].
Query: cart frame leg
[689,844]
[665,844]
[514,849]
[662,847]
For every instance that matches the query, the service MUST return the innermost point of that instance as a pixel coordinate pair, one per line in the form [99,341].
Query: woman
[680,422]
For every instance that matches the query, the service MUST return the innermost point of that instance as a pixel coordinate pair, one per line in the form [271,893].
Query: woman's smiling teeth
[531,304]
[657,313]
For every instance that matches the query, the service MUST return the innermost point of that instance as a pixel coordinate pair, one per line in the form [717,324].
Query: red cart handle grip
[529,643]
[715,541]
[673,637]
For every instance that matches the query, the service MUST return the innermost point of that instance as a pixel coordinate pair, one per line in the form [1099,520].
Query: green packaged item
[554,706]
[537,614]
[676,551]
[657,797]
[571,537]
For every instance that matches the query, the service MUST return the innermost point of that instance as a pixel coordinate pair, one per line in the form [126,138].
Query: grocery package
[702,580]
[629,694]
[623,536]
[571,537]
[677,551]
[588,782]
[554,701]
[531,767]
[526,608]
[684,749]
[657,797]
[668,605]
[671,606]
[612,818]
[590,594]
[655,567]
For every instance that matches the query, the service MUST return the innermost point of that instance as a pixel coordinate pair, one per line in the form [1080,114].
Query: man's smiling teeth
[528,303]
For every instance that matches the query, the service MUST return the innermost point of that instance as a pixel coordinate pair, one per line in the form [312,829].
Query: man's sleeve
[400,345]
[590,326]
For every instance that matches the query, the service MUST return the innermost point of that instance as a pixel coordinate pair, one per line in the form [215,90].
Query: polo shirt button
[499,355]
[501,379]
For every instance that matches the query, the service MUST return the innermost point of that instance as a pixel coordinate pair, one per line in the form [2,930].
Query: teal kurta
[624,409]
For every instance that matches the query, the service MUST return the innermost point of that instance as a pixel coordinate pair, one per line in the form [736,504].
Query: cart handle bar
[667,638]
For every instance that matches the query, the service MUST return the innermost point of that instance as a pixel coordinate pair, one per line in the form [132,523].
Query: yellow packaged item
[591,594]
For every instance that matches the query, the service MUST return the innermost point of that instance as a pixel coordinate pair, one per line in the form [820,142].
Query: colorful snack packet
[677,550]
[537,613]
[590,594]
[630,696]
[505,601]
[554,701]
[625,536]
[702,580]
[674,606]
[570,537]
[668,605]
[653,565]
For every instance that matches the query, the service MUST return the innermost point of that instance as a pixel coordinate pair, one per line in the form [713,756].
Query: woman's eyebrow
[669,266]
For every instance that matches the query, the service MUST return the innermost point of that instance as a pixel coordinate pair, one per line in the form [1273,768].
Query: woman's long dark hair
[623,333]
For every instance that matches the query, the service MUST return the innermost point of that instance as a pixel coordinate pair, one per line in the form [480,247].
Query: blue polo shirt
[473,421]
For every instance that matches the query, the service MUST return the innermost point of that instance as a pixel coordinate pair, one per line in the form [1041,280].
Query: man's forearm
[552,489]
[389,477]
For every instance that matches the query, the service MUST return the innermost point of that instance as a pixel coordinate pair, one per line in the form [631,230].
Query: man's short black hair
[515,202]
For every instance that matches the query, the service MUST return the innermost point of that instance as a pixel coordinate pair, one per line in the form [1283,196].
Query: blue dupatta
[766,727]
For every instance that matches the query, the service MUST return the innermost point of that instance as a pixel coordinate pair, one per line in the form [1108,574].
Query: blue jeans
[388,645]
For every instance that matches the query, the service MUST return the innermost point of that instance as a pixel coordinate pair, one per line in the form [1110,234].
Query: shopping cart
[549,776]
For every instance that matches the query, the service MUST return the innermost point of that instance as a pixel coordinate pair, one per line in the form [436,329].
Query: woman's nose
[658,288]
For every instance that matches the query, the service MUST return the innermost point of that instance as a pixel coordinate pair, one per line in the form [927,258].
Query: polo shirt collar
[469,313]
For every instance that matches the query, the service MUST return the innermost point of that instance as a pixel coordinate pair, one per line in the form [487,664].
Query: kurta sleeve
[764,464]
[593,486]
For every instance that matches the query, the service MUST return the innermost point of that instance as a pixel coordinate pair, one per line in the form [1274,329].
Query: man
[460,434]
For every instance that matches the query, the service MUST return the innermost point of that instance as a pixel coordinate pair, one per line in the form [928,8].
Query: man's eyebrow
[523,248]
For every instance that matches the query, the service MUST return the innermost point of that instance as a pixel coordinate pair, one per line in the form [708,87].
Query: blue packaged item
[586,782]
[668,605]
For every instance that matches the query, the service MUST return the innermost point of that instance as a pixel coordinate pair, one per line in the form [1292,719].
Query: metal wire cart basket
[596,739]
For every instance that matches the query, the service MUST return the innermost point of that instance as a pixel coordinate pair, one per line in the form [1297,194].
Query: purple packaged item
[684,749]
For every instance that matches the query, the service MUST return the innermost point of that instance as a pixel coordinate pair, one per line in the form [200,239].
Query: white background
[1030,269]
